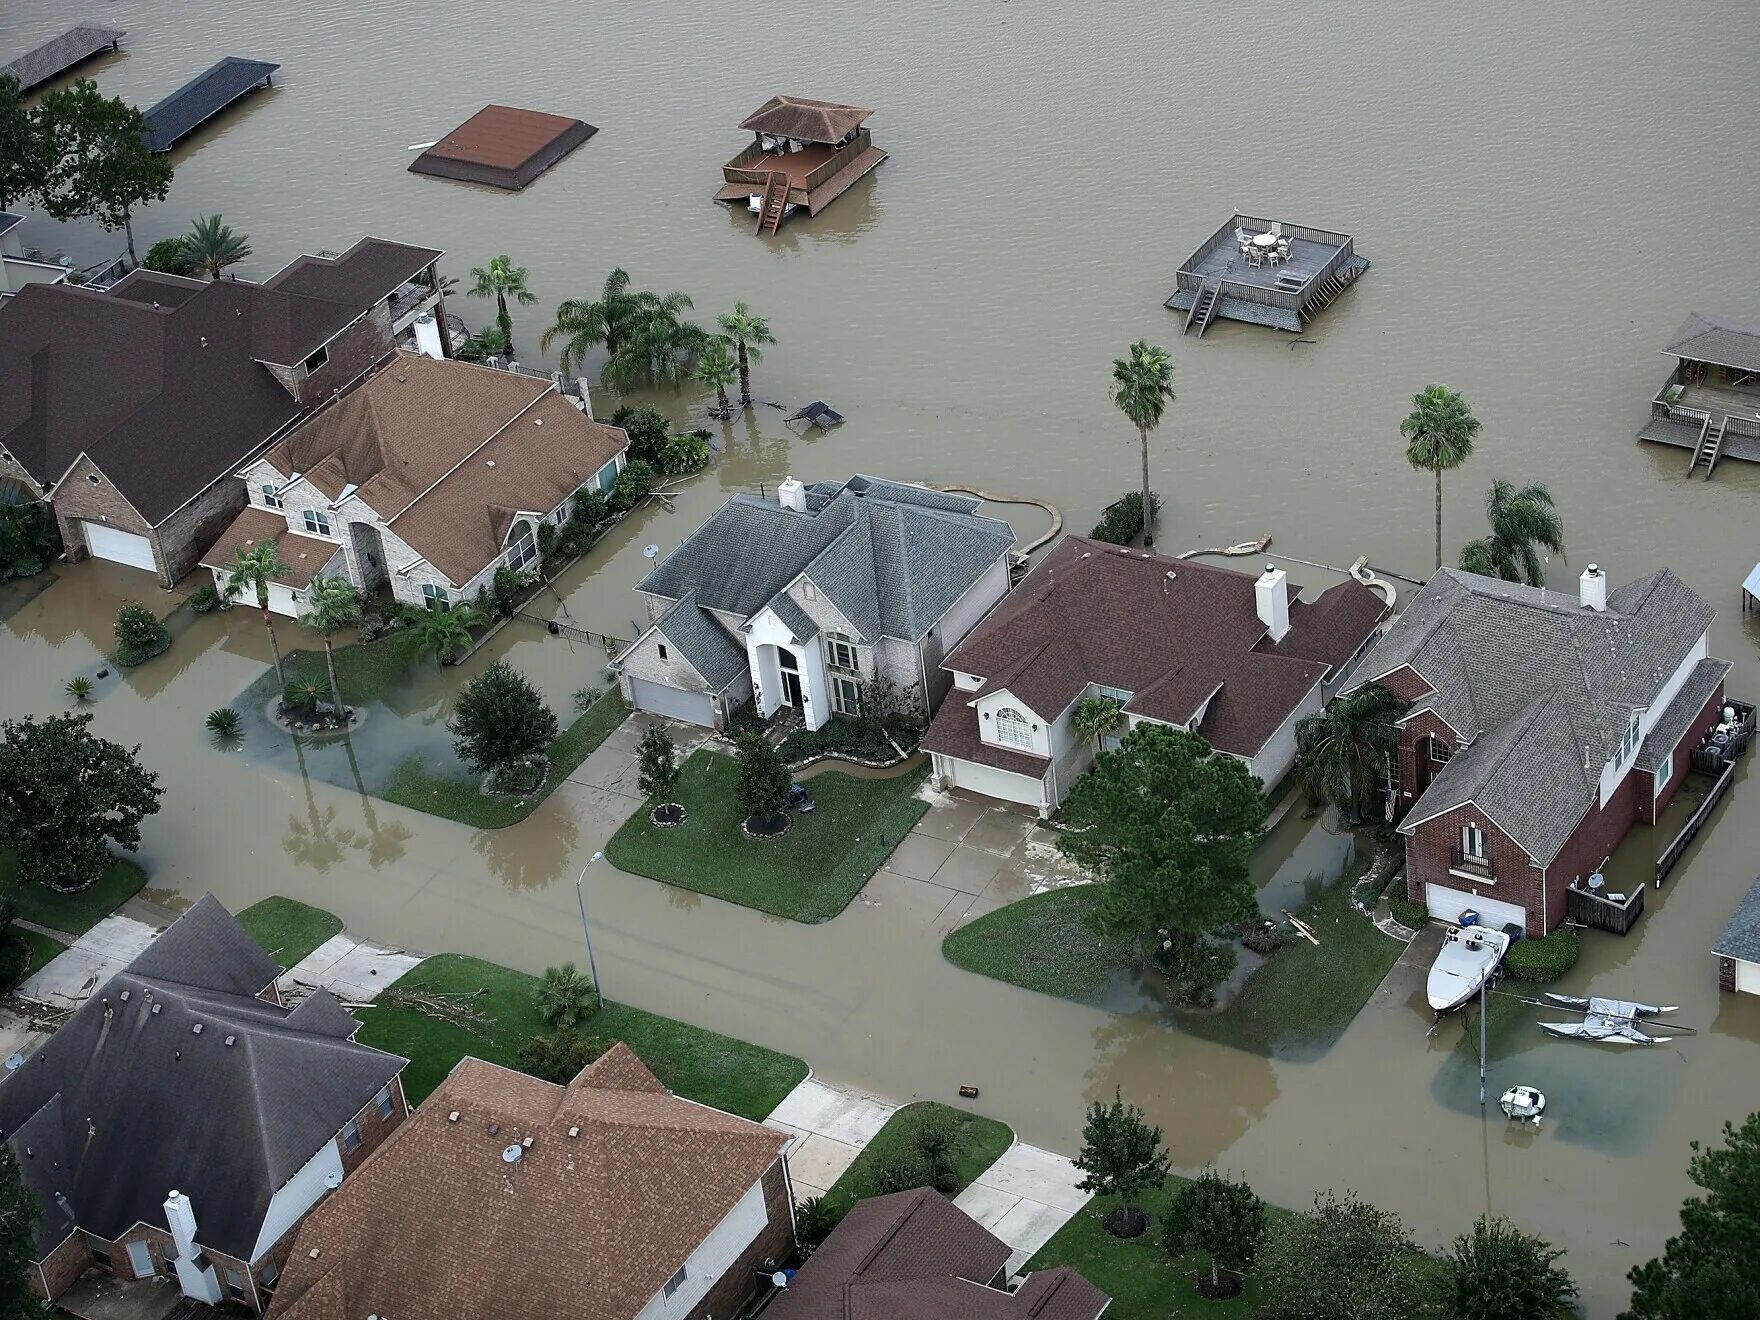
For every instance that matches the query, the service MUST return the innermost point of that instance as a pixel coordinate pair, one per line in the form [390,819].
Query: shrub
[814,1220]
[648,431]
[1544,959]
[894,1169]
[588,511]
[938,1137]
[223,721]
[1263,938]
[548,535]
[584,699]
[500,718]
[684,453]
[504,589]
[565,997]
[1414,916]
[167,257]
[763,779]
[139,635]
[204,599]
[1195,966]
[302,696]
[27,533]
[79,688]
[864,742]
[560,1056]
[632,484]
[1122,520]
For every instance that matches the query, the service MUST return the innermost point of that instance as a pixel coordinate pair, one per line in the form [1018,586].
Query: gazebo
[1710,402]
[803,153]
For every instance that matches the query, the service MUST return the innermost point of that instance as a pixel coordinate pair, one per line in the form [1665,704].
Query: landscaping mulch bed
[668,815]
[767,827]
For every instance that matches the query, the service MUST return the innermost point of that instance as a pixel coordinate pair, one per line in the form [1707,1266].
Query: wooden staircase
[1710,446]
[1330,288]
[775,203]
[1203,309]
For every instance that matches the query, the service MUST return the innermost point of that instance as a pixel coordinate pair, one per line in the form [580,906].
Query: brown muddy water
[1544,192]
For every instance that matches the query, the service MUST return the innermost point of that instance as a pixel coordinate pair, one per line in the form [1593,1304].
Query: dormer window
[1629,747]
[316,360]
[317,522]
[1012,729]
[271,500]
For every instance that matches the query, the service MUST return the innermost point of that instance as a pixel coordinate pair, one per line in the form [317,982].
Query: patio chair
[1255,257]
[1276,228]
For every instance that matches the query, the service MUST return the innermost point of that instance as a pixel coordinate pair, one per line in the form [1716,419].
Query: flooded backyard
[1536,233]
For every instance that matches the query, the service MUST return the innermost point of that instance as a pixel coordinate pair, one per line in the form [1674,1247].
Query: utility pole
[1482,985]
[593,967]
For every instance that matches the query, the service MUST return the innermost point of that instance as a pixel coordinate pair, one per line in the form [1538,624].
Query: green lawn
[73,913]
[288,930]
[701,1065]
[363,671]
[986,1140]
[23,952]
[456,796]
[1043,943]
[809,874]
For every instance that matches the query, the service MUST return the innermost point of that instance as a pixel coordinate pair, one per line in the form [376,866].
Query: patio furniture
[1265,240]
[1274,256]
[1255,257]
[1276,228]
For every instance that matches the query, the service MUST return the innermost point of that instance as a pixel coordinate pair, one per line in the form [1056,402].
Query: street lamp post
[586,933]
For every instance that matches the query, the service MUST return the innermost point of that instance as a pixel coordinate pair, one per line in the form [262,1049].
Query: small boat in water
[1469,954]
[1616,1021]
[1523,1104]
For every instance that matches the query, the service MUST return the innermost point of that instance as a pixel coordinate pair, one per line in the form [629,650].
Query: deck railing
[842,157]
[1696,822]
[1188,277]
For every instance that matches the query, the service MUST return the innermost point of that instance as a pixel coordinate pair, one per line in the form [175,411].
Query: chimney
[181,1218]
[1271,593]
[791,494]
[1592,589]
[200,1282]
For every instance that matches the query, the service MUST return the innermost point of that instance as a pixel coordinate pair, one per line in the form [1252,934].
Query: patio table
[1264,240]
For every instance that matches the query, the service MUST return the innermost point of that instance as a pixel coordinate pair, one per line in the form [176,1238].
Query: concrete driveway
[69,978]
[352,969]
[830,1126]
[1024,1198]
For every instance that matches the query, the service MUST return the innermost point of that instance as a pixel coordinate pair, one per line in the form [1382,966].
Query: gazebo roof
[805,120]
[1717,340]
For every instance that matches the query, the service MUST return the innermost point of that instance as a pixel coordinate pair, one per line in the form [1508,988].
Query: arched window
[1011,728]
[523,545]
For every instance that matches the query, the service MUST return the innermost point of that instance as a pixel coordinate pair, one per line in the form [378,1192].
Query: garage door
[120,547]
[1748,977]
[1448,904]
[282,601]
[691,707]
[991,782]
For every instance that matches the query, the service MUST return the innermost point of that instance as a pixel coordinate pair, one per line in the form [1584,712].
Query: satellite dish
[512,1153]
[14,1062]
[333,1180]
[779,1279]
[649,551]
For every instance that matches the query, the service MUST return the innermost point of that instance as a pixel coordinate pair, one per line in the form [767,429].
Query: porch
[817,174]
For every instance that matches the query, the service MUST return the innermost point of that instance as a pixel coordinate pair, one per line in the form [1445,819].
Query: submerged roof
[1718,340]
[613,1184]
[201,98]
[61,53]
[175,1076]
[503,146]
[1741,937]
[805,120]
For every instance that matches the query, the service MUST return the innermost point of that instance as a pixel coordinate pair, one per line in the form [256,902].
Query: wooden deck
[1218,280]
[799,165]
[1733,410]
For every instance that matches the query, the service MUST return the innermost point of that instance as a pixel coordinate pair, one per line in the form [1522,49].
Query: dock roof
[201,98]
[805,120]
[59,54]
[503,146]
[1717,340]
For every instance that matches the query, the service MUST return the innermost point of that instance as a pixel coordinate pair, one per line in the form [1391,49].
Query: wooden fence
[1672,853]
[1602,913]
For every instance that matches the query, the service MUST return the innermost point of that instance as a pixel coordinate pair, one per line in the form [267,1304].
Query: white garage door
[282,601]
[691,707]
[992,782]
[1448,904]
[119,547]
[1748,977]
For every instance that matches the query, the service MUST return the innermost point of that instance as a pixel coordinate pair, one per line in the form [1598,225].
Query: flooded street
[1544,193]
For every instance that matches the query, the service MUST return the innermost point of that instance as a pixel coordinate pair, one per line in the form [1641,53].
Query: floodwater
[1544,192]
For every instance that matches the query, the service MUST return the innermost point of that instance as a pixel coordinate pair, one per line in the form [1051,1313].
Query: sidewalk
[1024,1198]
[830,1127]
[354,970]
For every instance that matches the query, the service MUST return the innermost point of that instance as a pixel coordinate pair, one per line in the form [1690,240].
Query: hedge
[1544,959]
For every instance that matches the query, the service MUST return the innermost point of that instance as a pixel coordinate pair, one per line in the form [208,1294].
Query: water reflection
[531,855]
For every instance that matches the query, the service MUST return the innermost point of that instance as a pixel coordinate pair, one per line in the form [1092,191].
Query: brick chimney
[1271,594]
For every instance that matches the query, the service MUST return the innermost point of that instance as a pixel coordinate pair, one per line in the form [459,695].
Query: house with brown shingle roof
[1235,659]
[507,1196]
[429,475]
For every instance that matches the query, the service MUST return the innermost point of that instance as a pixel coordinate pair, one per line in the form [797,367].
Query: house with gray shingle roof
[1542,727]
[1738,948]
[804,600]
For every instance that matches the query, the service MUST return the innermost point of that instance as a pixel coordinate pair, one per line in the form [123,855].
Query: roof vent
[333,1179]
[14,1062]
[537,421]
[511,1155]
[452,1117]
[527,1143]
[196,1030]
[204,341]
[488,462]
[230,1039]
[124,995]
[156,1008]
[313,1253]
[574,1132]
[494,1129]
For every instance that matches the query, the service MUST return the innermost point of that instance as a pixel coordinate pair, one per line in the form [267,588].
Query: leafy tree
[1220,1217]
[1121,1156]
[139,635]
[746,332]
[501,280]
[253,568]
[566,996]
[1710,1270]
[212,245]
[98,166]
[26,532]
[588,511]
[938,1136]
[1439,435]
[167,256]
[657,759]
[643,335]
[684,453]
[1095,717]
[19,1211]
[635,481]
[1523,522]
[717,371]
[558,1057]
[334,604]
[499,718]
[1142,387]
[1343,753]
[444,633]
[22,162]
[661,350]
[763,778]
[647,429]
[66,796]
[1346,1260]
[1497,1272]
[586,323]
[1169,827]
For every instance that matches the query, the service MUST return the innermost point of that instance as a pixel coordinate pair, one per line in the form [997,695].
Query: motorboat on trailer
[1616,1021]
[1468,956]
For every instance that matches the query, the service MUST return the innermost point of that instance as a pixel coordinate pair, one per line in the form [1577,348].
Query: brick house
[131,410]
[1542,727]
[183,1121]
[509,1196]
[427,474]
[1193,646]
[801,600]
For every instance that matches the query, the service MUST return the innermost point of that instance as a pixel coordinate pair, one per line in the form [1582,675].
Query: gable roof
[202,97]
[1716,339]
[1490,651]
[893,558]
[183,398]
[622,1181]
[1182,637]
[915,1256]
[173,1075]
[703,642]
[805,120]
[1741,937]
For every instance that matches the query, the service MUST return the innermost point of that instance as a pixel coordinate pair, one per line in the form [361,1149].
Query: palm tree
[1142,388]
[501,280]
[1095,717]
[566,996]
[716,370]
[255,567]
[443,633]
[1343,752]
[1439,435]
[660,350]
[334,603]
[619,316]
[747,332]
[213,245]
[1522,523]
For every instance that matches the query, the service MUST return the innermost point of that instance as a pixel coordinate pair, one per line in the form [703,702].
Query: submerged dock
[56,56]
[1265,272]
[203,97]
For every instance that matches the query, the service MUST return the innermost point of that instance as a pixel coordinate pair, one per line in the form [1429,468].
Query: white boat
[1616,1021]
[1469,954]
[1612,1007]
[1524,1104]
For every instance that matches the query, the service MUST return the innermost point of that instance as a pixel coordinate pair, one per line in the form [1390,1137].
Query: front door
[791,678]
[140,1260]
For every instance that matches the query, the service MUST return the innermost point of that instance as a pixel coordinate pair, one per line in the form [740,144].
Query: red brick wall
[1405,684]
[1428,852]
[62,1266]
[775,1242]
[1595,838]
[1703,722]
[1413,763]
[374,1129]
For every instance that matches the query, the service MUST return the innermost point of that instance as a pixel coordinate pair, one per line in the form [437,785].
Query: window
[607,477]
[840,651]
[235,1282]
[525,545]
[1665,771]
[1629,747]
[674,1283]
[100,1255]
[1473,843]
[846,696]
[269,1273]
[318,521]
[1119,695]
[1440,752]
[1011,728]
[384,1102]
[435,598]
[317,359]
[351,1137]
[93,478]
[270,499]
[661,647]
